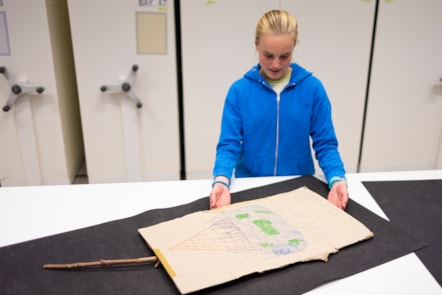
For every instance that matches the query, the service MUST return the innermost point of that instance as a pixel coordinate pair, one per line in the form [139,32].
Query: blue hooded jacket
[265,134]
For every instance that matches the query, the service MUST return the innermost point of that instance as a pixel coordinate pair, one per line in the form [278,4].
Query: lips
[274,74]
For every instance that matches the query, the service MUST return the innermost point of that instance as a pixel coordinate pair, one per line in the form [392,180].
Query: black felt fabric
[21,269]
[416,206]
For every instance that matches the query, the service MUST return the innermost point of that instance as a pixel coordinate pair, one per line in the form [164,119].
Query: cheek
[263,60]
[286,62]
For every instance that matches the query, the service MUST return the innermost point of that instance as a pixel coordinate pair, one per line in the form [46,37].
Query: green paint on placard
[263,212]
[266,245]
[295,242]
[242,216]
[266,226]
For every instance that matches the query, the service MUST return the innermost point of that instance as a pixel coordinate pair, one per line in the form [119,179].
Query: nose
[276,63]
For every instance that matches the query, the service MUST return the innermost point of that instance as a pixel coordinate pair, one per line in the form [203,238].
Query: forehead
[276,44]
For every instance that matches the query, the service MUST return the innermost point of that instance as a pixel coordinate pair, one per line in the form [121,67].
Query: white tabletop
[28,213]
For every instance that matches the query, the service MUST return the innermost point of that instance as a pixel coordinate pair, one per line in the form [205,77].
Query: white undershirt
[279,85]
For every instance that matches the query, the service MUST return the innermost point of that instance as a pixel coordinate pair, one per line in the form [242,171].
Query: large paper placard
[211,247]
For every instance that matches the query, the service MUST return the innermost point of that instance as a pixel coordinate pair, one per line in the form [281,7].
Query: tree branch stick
[102,263]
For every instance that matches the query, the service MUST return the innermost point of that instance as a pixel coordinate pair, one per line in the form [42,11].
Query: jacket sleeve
[325,142]
[230,141]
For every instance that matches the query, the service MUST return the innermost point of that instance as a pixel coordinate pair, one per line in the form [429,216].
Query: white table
[28,213]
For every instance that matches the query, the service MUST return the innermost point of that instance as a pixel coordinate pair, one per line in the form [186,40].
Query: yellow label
[164,262]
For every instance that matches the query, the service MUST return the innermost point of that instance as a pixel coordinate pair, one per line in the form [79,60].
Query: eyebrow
[269,53]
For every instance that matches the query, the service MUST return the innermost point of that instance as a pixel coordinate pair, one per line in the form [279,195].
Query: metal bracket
[17,89]
[126,87]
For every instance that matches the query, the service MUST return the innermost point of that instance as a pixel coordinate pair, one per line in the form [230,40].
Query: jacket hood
[298,74]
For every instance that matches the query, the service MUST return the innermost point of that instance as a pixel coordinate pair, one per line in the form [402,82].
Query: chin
[275,76]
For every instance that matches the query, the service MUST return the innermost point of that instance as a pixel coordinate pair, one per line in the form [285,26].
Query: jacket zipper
[278,99]
[275,168]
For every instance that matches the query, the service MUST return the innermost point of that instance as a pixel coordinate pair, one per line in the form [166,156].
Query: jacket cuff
[335,179]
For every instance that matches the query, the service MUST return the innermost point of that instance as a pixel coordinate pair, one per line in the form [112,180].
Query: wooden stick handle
[102,263]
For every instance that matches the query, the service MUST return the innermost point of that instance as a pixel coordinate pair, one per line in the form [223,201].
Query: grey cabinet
[404,114]
[131,124]
[217,49]
[40,129]
[334,43]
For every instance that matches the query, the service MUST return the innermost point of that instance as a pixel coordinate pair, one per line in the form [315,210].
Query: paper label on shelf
[151,33]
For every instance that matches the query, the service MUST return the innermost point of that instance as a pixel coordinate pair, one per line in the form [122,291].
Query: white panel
[104,34]
[10,158]
[27,141]
[34,49]
[4,36]
[218,48]
[129,118]
[334,43]
[405,104]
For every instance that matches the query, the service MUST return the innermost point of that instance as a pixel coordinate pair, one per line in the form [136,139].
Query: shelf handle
[17,89]
[126,87]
